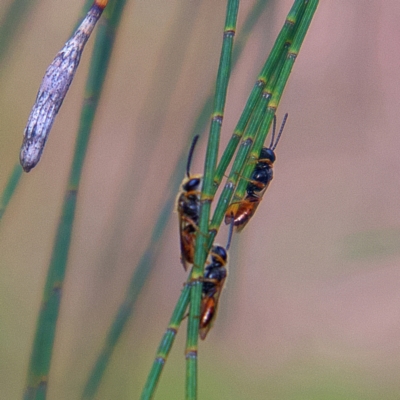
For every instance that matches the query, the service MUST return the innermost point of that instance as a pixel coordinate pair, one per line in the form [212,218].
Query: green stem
[255,95]
[9,190]
[125,310]
[256,132]
[206,197]
[301,25]
[166,343]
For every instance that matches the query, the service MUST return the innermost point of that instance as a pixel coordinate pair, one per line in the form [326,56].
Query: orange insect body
[242,212]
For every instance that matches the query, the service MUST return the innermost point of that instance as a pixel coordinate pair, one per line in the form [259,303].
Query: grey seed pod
[53,89]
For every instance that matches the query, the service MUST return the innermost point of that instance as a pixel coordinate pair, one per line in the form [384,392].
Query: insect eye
[267,154]
[219,253]
[191,184]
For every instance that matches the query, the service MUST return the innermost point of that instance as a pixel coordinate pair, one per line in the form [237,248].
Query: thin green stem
[9,190]
[269,66]
[125,310]
[268,78]
[248,25]
[166,343]
[206,197]
[258,129]
[301,25]
[46,327]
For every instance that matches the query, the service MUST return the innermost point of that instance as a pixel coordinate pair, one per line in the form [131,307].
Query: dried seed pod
[54,88]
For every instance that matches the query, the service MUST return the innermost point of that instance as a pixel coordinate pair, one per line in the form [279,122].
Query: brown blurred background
[312,304]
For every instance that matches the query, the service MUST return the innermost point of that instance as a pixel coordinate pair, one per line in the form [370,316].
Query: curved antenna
[280,132]
[190,156]
[273,132]
[230,234]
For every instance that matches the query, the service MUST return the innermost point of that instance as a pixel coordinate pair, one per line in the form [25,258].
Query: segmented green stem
[255,95]
[166,344]
[257,131]
[199,125]
[202,119]
[206,197]
[46,327]
[125,310]
[269,73]
[276,91]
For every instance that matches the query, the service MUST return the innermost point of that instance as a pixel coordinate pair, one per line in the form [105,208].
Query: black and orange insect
[214,277]
[242,211]
[213,282]
[188,207]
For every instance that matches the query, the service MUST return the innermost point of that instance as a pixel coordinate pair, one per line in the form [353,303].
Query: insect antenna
[273,132]
[273,146]
[230,234]
[190,156]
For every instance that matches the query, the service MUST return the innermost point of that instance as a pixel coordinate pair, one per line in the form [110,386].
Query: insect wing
[182,225]
[209,307]
[187,239]
[231,212]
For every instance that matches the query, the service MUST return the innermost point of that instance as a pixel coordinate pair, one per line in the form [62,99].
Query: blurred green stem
[9,190]
[39,365]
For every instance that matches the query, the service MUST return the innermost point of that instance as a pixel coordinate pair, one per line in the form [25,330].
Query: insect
[213,282]
[188,207]
[242,211]
[214,277]
[54,87]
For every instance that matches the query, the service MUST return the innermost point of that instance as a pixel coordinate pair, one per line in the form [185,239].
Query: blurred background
[311,309]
